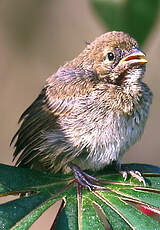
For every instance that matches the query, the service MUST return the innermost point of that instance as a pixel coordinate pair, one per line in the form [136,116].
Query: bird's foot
[135,174]
[125,172]
[85,179]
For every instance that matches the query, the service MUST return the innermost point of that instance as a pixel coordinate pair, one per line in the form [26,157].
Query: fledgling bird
[89,112]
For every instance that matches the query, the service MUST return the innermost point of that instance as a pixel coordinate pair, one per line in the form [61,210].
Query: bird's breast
[100,135]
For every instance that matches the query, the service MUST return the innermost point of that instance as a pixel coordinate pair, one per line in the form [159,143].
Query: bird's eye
[110,56]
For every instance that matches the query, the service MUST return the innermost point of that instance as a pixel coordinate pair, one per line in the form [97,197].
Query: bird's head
[116,58]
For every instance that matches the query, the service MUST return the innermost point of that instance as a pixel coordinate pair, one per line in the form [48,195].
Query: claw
[135,174]
[85,179]
[125,171]
[138,176]
[124,174]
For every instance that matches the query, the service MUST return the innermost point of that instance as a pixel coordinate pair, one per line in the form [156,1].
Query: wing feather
[40,133]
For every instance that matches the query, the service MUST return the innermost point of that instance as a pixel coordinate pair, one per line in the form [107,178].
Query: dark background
[36,37]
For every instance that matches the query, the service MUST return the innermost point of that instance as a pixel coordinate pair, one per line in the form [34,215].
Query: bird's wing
[57,98]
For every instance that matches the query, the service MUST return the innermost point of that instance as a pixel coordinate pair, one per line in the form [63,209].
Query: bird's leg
[85,179]
[125,171]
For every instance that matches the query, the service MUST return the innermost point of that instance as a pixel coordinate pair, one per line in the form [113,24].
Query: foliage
[81,209]
[134,17]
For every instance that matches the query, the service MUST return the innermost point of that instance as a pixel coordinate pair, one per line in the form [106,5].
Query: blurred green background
[36,37]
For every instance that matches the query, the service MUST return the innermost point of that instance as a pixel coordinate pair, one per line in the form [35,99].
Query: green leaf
[14,211]
[67,219]
[90,218]
[133,217]
[134,17]
[117,206]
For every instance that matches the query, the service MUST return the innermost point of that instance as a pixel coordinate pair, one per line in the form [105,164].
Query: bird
[88,113]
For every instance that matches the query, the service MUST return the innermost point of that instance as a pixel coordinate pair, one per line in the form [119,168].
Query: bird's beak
[137,57]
